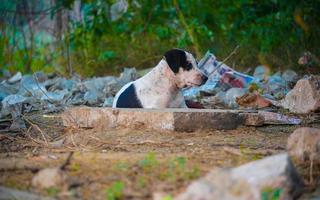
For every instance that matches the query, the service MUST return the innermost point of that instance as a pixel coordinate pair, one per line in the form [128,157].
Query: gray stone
[304,97]
[304,145]
[278,118]
[253,119]
[91,97]
[31,87]
[290,76]
[55,97]
[50,177]
[98,84]
[17,77]
[108,102]
[128,74]
[12,104]
[304,150]
[10,194]
[7,89]
[40,76]
[248,181]
[59,83]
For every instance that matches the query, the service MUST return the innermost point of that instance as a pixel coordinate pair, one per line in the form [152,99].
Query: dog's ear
[176,58]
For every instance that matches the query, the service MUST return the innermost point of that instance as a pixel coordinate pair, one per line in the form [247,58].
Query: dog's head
[185,68]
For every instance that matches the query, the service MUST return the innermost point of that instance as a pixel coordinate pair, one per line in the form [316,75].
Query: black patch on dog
[128,98]
[177,58]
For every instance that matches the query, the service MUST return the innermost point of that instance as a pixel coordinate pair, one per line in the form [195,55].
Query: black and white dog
[161,87]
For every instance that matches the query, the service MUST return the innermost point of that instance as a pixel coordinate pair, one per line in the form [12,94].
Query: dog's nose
[204,79]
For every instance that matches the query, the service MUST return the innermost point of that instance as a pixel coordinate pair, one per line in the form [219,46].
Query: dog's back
[127,97]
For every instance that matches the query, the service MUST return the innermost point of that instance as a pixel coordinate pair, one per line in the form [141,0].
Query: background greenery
[270,32]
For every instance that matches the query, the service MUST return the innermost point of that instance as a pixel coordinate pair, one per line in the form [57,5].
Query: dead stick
[67,161]
[37,82]
[38,128]
[229,56]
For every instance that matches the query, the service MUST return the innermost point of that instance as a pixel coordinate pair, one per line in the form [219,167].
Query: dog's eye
[188,66]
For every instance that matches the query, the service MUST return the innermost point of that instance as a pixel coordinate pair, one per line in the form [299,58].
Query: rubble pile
[225,88]
[50,93]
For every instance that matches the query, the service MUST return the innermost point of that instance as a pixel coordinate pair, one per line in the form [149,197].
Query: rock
[55,97]
[128,74]
[253,119]
[277,118]
[91,97]
[59,83]
[99,83]
[290,77]
[12,103]
[108,102]
[253,100]
[304,97]
[31,87]
[304,145]
[50,177]
[7,89]
[17,77]
[249,181]
[216,101]
[218,184]
[304,150]
[8,193]
[40,76]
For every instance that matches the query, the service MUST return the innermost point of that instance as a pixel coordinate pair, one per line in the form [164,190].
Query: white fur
[161,88]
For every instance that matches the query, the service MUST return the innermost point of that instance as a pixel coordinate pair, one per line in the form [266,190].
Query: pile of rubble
[50,93]
[227,88]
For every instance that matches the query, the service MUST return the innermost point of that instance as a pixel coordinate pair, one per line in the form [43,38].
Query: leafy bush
[272,32]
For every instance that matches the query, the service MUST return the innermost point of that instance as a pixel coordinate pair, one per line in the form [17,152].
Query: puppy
[161,87]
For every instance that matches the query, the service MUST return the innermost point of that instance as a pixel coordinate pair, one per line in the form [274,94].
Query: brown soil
[145,163]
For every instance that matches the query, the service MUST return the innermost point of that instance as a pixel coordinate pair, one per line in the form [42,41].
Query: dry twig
[38,128]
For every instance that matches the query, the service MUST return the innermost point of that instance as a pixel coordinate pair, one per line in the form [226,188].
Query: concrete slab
[165,120]
[169,119]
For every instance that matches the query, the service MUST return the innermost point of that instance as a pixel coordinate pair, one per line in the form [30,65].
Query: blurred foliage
[270,32]
[115,191]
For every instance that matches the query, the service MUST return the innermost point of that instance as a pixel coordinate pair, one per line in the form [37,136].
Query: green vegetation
[85,36]
[271,194]
[52,191]
[152,170]
[115,191]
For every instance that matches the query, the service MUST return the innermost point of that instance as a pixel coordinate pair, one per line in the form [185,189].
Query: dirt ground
[128,164]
